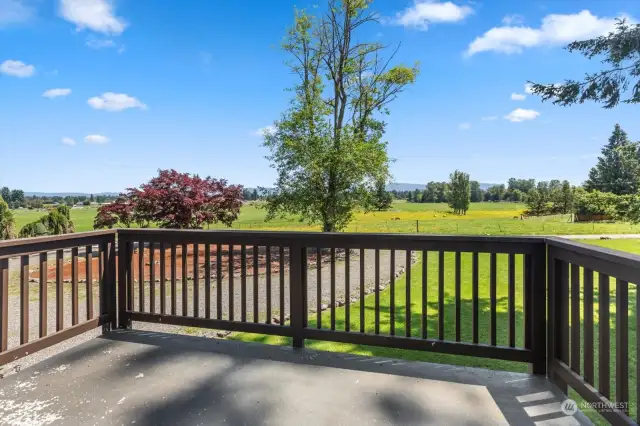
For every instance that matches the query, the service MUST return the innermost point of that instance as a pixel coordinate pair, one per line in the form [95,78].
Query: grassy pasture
[481,219]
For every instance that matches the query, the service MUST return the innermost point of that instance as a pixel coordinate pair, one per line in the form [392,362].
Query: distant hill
[69,194]
[401,186]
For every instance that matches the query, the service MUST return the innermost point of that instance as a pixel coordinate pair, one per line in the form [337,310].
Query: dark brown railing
[585,282]
[64,252]
[314,286]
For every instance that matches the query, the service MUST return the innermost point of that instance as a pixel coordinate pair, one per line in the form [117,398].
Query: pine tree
[618,168]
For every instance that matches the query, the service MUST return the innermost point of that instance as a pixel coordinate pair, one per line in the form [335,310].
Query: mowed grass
[482,219]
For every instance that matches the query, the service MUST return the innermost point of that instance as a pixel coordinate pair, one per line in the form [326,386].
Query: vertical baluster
[575,318]
[474,297]
[392,290]
[441,295]
[256,276]
[74,285]
[43,293]
[243,283]
[512,300]
[377,290]
[282,267]
[24,299]
[407,321]
[493,296]
[231,284]
[458,296]
[347,290]
[185,287]
[527,301]
[218,281]
[207,281]
[163,279]
[603,337]
[622,343]
[333,288]
[563,311]
[172,270]
[130,276]
[59,290]
[196,280]
[4,304]
[361,290]
[268,279]
[319,287]
[89,280]
[141,276]
[588,326]
[152,277]
[425,263]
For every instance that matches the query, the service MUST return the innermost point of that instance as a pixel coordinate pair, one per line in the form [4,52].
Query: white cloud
[489,118]
[115,102]
[426,12]
[54,93]
[464,126]
[528,88]
[17,69]
[96,15]
[15,12]
[268,130]
[519,114]
[68,141]
[100,44]
[518,97]
[554,30]
[96,139]
[514,19]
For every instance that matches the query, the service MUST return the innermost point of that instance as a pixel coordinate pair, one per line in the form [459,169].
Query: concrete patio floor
[144,378]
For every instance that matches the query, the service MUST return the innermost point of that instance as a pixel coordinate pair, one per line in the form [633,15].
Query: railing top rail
[51,242]
[602,253]
[302,235]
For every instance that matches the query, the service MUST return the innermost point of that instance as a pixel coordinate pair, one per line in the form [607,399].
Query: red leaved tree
[109,215]
[177,200]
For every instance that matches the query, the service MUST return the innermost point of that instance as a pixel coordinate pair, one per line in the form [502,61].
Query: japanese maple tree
[175,200]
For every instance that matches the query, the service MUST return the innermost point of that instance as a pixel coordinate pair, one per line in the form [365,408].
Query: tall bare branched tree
[328,147]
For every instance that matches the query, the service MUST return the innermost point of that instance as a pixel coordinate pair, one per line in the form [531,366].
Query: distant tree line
[16,199]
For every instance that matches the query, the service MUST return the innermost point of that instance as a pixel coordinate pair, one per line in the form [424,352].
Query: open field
[403,217]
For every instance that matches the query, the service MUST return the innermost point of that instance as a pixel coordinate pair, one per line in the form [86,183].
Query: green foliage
[595,203]
[495,193]
[621,52]
[380,199]
[329,152]
[7,221]
[477,194]
[5,194]
[618,168]
[550,198]
[459,192]
[56,222]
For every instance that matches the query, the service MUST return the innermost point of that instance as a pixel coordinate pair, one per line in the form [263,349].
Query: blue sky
[96,95]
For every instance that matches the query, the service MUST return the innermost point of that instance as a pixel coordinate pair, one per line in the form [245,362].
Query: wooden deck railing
[477,296]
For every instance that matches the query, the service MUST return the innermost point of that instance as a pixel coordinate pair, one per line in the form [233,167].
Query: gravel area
[276,285]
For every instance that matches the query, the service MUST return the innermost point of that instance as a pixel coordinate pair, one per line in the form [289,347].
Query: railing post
[557,323]
[108,283]
[537,315]
[123,265]
[296,293]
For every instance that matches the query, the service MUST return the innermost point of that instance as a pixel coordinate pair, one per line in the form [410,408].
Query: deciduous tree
[7,222]
[328,148]
[459,192]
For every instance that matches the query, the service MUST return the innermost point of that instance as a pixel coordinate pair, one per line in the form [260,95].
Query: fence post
[108,306]
[296,299]
[556,322]
[537,316]
[123,265]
